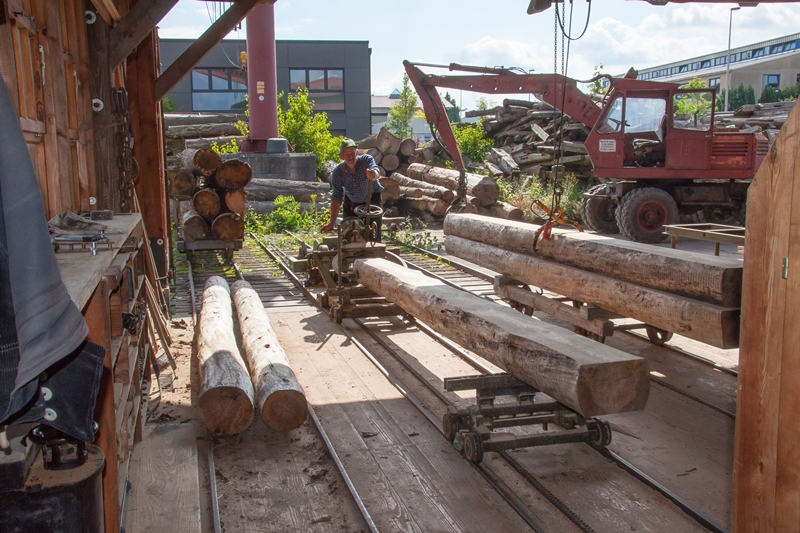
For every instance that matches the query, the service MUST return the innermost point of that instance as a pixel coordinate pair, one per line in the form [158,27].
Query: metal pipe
[262,78]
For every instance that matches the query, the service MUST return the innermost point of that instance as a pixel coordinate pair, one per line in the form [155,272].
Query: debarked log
[279,396]
[586,376]
[485,189]
[711,279]
[704,322]
[226,391]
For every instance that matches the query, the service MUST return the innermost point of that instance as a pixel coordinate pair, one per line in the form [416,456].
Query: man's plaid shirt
[355,185]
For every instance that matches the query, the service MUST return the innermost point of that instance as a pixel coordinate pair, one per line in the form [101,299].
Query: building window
[713,83]
[758,53]
[776,49]
[219,89]
[706,63]
[790,46]
[325,87]
[684,68]
[772,80]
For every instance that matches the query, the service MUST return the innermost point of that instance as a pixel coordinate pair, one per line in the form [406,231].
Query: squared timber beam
[134,27]
[107,9]
[198,49]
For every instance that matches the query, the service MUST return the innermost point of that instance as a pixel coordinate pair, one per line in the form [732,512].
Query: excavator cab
[637,123]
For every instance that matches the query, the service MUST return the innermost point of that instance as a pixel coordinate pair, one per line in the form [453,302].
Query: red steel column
[262,78]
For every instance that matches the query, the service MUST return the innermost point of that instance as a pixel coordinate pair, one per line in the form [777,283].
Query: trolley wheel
[599,434]
[229,255]
[473,447]
[336,314]
[451,425]
[322,300]
[657,336]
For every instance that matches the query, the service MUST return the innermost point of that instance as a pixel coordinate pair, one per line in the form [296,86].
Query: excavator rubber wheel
[599,433]
[473,447]
[644,212]
[599,214]
[450,425]
[657,336]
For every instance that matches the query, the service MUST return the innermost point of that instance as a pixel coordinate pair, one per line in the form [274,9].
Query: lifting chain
[128,167]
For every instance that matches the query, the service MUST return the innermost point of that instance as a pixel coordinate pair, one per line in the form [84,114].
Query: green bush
[287,217]
[472,142]
[305,130]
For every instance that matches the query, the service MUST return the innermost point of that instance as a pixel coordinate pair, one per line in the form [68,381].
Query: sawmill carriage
[653,146]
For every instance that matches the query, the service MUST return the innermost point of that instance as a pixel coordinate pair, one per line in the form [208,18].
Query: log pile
[588,377]
[391,153]
[192,132]
[216,190]
[693,295]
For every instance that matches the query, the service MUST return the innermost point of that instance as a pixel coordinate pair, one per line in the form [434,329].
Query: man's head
[348,151]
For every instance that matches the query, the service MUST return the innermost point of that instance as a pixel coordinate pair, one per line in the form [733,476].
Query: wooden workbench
[716,233]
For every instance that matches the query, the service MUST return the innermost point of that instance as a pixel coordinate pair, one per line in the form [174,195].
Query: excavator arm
[559,91]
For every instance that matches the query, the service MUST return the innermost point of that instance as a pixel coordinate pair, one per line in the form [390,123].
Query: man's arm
[337,195]
[334,213]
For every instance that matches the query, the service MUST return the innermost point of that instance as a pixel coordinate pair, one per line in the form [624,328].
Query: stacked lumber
[391,153]
[590,378]
[694,295]
[217,193]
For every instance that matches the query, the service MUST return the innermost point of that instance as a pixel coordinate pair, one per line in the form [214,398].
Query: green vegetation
[453,113]
[472,141]
[694,105]
[287,217]
[305,130]
[167,104]
[407,237]
[403,111]
[526,194]
[596,87]
[739,96]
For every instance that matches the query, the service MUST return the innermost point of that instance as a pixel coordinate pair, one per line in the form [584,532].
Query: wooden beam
[766,480]
[135,26]
[588,377]
[198,49]
[107,10]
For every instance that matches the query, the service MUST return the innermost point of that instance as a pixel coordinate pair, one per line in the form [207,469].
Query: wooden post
[279,396]
[766,481]
[226,392]
[588,377]
[708,323]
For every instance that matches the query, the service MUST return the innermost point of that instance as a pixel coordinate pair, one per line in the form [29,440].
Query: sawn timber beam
[134,27]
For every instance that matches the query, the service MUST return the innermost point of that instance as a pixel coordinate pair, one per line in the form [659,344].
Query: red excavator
[653,146]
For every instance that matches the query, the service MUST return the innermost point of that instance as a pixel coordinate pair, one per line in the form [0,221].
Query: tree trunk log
[226,391]
[195,227]
[207,203]
[711,279]
[228,227]
[384,141]
[485,189]
[502,210]
[201,130]
[588,377]
[181,183]
[410,192]
[391,190]
[279,396]
[233,174]
[390,162]
[236,201]
[406,204]
[203,161]
[708,323]
[376,155]
[407,147]
[434,191]
[260,189]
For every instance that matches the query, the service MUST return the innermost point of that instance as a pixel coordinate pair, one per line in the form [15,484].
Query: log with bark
[228,227]
[390,162]
[233,174]
[202,162]
[501,210]
[195,227]
[386,142]
[708,278]
[261,189]
[235,201]
[407,147]
[207,203]
[195,131]
[704,322]
[280,398]
[485,189]
[391,190]
[588,377]
[434,191]
[226,391]
[181,183]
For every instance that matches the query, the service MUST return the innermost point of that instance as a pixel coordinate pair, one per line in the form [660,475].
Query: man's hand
[373,174]
[327,228]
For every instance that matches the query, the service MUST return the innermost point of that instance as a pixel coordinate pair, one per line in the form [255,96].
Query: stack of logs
[431,190]
[391,153]
[216,190]
[694,295]
[526,135]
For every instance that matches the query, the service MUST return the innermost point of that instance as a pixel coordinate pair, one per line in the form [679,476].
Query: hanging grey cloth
[49,326]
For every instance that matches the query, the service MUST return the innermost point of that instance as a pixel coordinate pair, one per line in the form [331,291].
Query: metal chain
[128,166]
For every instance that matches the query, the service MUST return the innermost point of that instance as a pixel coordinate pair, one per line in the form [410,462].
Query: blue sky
[620,34]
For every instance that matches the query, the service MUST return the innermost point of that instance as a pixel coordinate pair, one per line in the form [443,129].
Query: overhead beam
[135,26]
[108,11]
[198,49]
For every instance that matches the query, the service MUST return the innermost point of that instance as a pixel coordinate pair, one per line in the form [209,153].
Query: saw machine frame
[330,265]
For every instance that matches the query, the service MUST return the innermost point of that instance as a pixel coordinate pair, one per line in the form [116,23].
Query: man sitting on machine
[354,181]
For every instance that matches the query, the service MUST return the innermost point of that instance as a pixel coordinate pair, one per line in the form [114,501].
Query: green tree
[770,94]
[694,104]
[305,130]
[596,87]
[472,141]
[168,104]
[791,92]
[403,111]
[739,96]
[453,113]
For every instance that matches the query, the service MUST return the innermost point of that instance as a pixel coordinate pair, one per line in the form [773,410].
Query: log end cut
[626,386]
[284,410]
[226,410]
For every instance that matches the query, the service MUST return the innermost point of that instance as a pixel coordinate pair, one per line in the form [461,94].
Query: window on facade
[673,70]
[790,46]
[758,53]
[772,80]
[325,87]
[684,68]
[706,63]
[713,83]
[776,48]
[219,89]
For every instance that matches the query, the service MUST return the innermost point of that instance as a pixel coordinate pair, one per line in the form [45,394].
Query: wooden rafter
[135,26]
[213,35]
[107,9]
